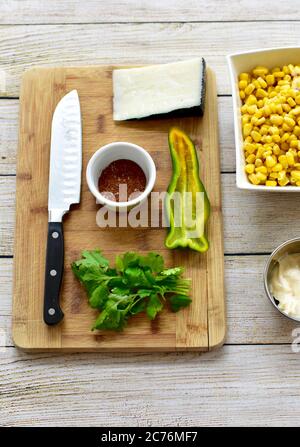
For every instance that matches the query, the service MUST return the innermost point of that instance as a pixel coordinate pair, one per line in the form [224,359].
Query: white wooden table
[254,378]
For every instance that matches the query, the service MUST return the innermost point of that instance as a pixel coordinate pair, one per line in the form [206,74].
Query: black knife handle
[54,272]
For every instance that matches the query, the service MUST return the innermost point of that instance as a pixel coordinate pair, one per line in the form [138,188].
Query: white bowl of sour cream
[282,278]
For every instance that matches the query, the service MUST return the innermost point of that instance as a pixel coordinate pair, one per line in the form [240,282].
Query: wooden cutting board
[201,326]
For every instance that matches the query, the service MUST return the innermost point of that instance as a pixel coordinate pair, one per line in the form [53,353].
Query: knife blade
[64,190]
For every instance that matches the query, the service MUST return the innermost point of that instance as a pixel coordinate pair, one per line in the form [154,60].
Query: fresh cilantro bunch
[136,284]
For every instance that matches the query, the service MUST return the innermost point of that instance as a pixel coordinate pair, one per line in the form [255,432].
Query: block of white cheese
[177,88]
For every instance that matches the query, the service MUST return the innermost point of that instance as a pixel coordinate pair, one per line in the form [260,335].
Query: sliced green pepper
[190,230]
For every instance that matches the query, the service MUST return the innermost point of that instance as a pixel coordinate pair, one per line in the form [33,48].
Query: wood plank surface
[201,326]
[133,44]
[100,11]
[238,385]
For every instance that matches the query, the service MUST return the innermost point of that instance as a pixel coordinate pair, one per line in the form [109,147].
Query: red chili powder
[122,172]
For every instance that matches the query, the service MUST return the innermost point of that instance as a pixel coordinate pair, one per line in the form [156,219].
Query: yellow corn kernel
[283,82]
[258,162]
[251,100]
[267,139]
[276,148]
[270,79]
[271,183]
[253,179]
[290,158]
[283,161]
[285,137]
[260,93]
[256,83]
[267,110]
[260,71]
[248,139]
[249,89]
[252,109]
[274,130]
[260,121]
[243,84]
[249,147]
[254,120]
[260,151]
[289,121]
[255,135]
[279,109]
[296,111]
[244,108]
[286,108]
[297,131]
[297,99]
[282,178]
[261,169]
[270,162]
[296,175]
[245,119]
[297,166]
[297,183]
[273,94]
[261,177]
[278,74]
[264,130]
[276,120]
[249,168]
[242,94]
[286,128]
[294,144]
[273,175]
[291,102]
[262,82]
[250,159]
[277,168]
[244,76]
[247,129]
[276,138]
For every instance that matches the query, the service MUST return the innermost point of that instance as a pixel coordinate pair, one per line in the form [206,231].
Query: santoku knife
[64,190]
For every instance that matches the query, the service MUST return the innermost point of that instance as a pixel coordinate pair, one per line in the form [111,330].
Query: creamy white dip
[285,284]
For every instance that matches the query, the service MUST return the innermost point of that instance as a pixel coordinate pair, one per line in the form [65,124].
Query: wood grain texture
[251,319]
[245,386]
[100,11]
[135,44]
[201,326]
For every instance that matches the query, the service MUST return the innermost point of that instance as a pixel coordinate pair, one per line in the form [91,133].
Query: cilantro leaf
[154,306]
[98,297]
[177,302]
[137,284]
[154,261]
[95,257]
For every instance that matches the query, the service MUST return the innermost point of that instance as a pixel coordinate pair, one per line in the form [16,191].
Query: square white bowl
[245,62]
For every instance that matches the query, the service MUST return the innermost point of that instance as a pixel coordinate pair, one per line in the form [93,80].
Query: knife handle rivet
[51,311]
[53,272]
[55,235]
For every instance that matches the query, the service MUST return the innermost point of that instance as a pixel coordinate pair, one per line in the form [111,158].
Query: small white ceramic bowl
[245,62]
[116,151]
